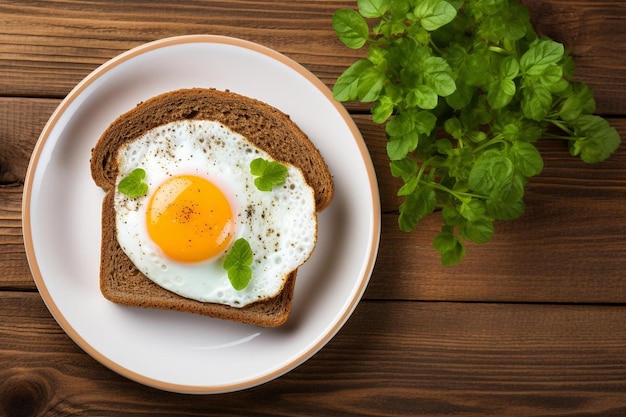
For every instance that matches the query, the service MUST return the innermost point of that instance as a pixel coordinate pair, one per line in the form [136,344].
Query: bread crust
[268,128]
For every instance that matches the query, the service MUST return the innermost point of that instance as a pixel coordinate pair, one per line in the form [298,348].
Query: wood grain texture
[48,47]
[531,324]
[21,122]
[403,359]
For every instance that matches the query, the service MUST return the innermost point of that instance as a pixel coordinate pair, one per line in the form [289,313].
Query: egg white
[280,225]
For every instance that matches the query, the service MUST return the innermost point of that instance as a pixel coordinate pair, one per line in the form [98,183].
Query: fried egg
[201,198]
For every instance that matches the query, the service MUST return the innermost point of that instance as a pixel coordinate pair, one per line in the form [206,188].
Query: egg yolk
[190,219]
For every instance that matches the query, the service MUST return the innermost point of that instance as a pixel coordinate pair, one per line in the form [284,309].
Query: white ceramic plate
[177,351]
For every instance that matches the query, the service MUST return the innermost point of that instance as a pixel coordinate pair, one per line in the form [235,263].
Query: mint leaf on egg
[268,173]
[132,185]
[237,263]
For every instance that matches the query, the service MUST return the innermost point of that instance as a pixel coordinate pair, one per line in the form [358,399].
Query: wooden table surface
[531,324]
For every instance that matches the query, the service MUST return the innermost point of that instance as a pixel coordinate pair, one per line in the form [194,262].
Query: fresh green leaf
[451,216]
[398,147]
[422,96]
[409,187]
[433,14]
[510,190]
[595,140]
[351,28]
[491,170]
[501,93]
[461,97]
[404,168]
[132,185]
[536,102]
[399,125]
[416,205]
[504,210]
[452,250]
[455,128]
[581,101]
[403,131]
[372,8]
[477,231]
[438,75]
[540,56]
[515,128]
[517,22]
[503,89]
[382,109]
[509,68]
[346,87]
[473,209]
[551,77]
[444,145]
[237,264]
[526,158]
[269,173]
[370,84]
[476,136]
[377,55]
[424,121]
[445,241]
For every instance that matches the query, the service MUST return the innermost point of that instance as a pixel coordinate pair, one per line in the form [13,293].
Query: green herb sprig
[465,89]
[133,185]
[237,264]
[268,173]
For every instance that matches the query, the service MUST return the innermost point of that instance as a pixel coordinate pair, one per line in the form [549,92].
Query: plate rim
[298,359]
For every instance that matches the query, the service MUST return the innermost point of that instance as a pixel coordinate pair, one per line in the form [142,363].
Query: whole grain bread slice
[263,125]
[268,128]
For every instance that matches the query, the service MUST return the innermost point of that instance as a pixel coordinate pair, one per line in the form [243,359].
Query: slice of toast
[263,125]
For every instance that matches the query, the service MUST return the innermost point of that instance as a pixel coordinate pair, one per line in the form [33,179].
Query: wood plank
[48,47]
[21,122]
[392,358]
[539,258]
[13,262]
[558,251]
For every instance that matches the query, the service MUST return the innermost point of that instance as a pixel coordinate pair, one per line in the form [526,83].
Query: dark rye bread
[265,126]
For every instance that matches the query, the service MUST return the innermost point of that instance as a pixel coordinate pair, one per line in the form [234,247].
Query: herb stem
[561,125]
[425,164]
[499,50]
[434,46]
[496,139]
[457,194]
[553,136]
